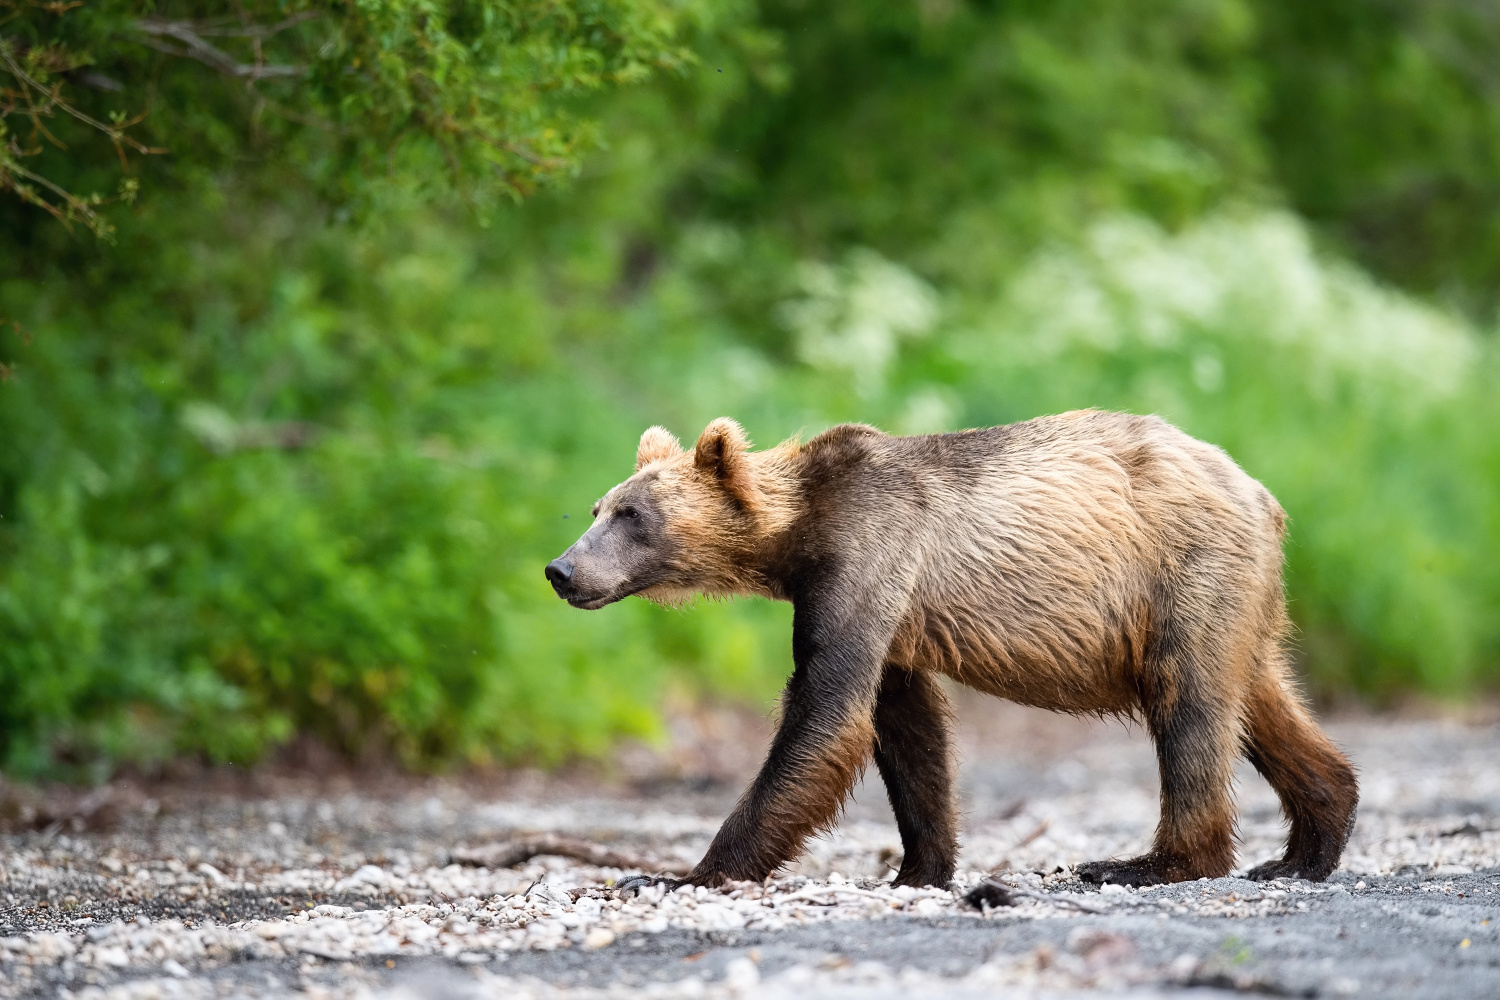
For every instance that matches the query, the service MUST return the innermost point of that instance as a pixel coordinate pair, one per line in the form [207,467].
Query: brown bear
[1091,562]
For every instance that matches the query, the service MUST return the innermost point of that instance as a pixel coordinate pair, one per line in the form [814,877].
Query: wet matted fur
[1088,562]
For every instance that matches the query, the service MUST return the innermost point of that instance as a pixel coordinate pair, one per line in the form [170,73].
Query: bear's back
[1042,546]
[1129,474]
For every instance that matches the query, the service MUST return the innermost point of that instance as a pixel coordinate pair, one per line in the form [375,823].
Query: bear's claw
[1136,871]
[1287,868]
[1279,868]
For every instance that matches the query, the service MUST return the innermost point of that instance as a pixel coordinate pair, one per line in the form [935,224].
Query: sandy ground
[283,884]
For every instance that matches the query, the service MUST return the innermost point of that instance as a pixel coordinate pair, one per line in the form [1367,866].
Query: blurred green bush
[266,470]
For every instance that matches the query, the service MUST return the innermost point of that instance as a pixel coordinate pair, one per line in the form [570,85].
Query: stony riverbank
[337,889]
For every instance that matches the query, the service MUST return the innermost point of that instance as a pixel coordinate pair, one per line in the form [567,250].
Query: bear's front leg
[824,741]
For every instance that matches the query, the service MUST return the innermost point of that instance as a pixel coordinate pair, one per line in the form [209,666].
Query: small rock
[115,958]
[370,875]
[598,937]
[1100,948]
[741,974]
[1183,967]
[989,894]
[365,875]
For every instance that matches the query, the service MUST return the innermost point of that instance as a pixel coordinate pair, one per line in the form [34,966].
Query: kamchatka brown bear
[1089,562]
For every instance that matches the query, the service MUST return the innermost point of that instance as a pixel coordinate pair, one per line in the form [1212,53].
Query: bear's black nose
[560,573]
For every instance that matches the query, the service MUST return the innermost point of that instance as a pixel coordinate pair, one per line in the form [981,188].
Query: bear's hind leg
[912,751]
[1196,732]
[1315,782]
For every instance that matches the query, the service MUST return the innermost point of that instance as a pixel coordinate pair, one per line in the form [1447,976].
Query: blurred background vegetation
[325,324]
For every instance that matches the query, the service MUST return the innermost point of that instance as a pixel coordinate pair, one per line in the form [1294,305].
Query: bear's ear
[657,443]
[721,453]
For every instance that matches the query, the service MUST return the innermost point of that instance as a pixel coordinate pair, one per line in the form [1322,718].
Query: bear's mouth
[593,603]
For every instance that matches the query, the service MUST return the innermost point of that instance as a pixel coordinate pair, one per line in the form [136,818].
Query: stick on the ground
[993,894]
[509,853]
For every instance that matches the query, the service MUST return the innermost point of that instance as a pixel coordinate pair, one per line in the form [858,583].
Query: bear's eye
[629,513]
[595,511]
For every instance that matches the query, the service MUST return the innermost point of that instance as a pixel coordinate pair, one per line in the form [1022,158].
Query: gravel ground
[221,885]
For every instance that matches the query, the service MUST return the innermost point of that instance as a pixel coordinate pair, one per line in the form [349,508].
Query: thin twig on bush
[188,34]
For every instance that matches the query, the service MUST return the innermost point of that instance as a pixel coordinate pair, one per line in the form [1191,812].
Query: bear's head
[686,523]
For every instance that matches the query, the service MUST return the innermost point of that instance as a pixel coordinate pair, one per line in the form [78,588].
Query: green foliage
[358,97]
[290,455]
[329,516]
[1383,123]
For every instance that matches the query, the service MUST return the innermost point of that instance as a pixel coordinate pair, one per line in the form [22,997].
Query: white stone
[741,974]
[115,958]
[598,937]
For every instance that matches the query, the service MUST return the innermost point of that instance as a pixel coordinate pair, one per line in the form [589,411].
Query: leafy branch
[353,95]
[32,98]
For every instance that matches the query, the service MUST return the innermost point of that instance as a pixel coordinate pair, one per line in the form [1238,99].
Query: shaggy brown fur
[1089,562]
